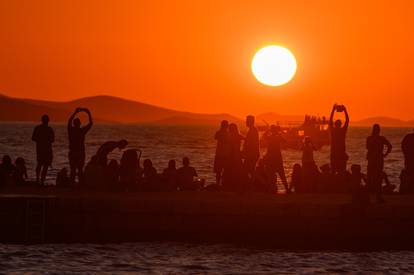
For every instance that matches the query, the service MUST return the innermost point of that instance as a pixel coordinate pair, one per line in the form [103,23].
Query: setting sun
[274,65]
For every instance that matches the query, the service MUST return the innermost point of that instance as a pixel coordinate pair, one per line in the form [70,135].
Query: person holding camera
[77,143]
[338,132]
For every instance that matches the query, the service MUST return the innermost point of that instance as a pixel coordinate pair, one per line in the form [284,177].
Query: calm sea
[162,143]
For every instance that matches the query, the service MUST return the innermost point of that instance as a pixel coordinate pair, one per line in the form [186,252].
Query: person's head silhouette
[171,164]
[186,162]
[224,124]
[307,140]
[122,144]
[45,119]
[338,123]
[376,129]
[233,129]
[250,121]
[76,123]
[7,160]
[147,164]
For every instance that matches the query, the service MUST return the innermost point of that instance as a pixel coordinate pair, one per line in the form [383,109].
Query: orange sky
[195,55]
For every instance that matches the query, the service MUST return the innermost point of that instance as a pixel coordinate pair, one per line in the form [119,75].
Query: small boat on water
[293,132]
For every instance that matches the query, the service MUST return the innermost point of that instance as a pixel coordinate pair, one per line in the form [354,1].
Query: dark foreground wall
[294,221]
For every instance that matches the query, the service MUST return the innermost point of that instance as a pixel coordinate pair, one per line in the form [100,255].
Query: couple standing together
[44,136]
[234,165]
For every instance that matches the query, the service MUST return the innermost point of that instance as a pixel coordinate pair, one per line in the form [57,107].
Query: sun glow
[274,65]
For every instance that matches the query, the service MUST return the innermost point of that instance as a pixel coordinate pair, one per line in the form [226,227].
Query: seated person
[6,171]
[169,176]
[112,175]
[185,177]
[388,188]
[129,169]
[62,178]
[296,182]
[358,180]
[94,175]
[150,179]
[326,180]
[20,172]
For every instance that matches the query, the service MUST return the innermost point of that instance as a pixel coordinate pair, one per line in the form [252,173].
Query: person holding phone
[338,132]
[77,143]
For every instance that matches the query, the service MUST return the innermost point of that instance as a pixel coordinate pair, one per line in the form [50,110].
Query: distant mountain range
[117,110]
[104,109]
[384,121]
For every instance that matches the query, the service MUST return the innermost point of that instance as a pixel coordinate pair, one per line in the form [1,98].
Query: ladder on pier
[35,220]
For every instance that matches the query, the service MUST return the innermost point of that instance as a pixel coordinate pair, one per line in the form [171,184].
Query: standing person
[407,146]
[44,136]
[273,158]
[310,170]
[339,157]
[77,135]
[222,150]
[233,174]
[375,156]
[251,149]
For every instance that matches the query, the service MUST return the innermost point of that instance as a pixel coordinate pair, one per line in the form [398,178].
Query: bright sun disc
[274,65]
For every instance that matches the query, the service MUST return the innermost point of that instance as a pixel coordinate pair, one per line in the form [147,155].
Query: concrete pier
[279,221]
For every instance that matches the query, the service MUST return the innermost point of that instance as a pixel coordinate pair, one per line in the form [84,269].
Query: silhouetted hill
[383,121]
[104,109]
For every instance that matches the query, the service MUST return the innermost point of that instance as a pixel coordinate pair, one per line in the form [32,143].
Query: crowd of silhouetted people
[238,164]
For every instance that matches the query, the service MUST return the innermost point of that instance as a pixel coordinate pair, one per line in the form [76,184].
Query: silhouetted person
[375,146]
[407,146]
[44,136]
[251,151]
[406,182]
[149,176]
[233,173]
[112,175]
[358,187]
[339,157]
[388,188]
[222,150]
[186,175]
[94,175]
[77,143]
[108,147]
[20,171]
[169,176]
[261,178]
[273,158]
[6,170]
[310,170]
[130,169]
[327,182]
[296,181]
[62,178]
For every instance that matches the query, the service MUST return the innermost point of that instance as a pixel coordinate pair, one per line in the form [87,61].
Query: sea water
[160,144]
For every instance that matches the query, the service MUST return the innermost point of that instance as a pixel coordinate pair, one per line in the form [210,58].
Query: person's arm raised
[70,120]
[332,116]
[346,118]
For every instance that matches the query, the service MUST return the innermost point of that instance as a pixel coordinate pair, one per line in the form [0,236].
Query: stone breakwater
[278,221]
